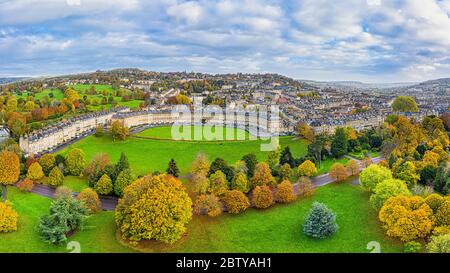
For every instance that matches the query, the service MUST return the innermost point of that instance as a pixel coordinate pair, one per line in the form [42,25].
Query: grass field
[76,184]
[97,236]
[208,133]
[57,94]
[326,164]
[147,155]
[279,229]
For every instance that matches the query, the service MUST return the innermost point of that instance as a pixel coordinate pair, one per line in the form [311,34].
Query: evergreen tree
[339,144]
[250,161]
[173,169]
[287,158]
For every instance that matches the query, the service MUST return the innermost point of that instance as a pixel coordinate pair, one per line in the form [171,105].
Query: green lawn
[98,87]
[165,132]
[57,94]
[76,184]
[147,155]
[279,229]
[326,164]
[98,235]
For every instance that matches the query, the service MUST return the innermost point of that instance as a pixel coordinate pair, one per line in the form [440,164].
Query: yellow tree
[307,168]
[200,164]
[338,172]
[305,131]
[407,217]
[353,166]
[263,175]
[9,170]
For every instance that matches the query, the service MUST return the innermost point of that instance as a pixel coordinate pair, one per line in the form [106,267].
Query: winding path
[109,203]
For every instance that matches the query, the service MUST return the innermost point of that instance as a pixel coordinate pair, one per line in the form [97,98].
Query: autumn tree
[387,189]
[353,167]
[443,213]
[306,132]
[123,180]
[25,185]
[285,192]
[372,175]
[8,217]
[200,164]
[104,186]
[408,173]
[200,183]
[263,175]
[55,178]
[404,104]
[338,172]
[75,161]
[47,162]
[307,168]
[218,183]
[305,187]
[89,198]
[35,172]
[154,208]
[235,201]
[208,204]
[406,218]
[119,131]
[439,244]
[240,182]
[262,197]
[285,172]
[273,158]
[9,171]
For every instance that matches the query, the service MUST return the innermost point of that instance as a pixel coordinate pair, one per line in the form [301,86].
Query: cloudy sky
[367,40]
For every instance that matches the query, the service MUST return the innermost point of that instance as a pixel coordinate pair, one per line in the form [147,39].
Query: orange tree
[154,208]
[263,175]
[338,172]
[262,197]
[9,170]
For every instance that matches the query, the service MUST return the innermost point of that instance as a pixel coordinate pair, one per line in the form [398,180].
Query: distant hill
[11,79]
[358,85]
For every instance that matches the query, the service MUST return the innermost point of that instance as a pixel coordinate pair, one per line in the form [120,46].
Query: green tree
[286,157]
[240,182]
[372,175]
[250,161]
[408,173]
[273,158]
[55,178]
[172,169]
[218,183]
[104,186]
[75,161]
[123,179]
[405,104]
[386,189]
[339,143]
[320,222]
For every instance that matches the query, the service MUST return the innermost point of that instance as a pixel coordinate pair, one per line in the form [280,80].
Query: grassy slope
[165,132]
[279,229]
[98,235]
[148,155]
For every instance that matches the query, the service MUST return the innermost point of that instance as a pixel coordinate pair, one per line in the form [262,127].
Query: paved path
[109,203]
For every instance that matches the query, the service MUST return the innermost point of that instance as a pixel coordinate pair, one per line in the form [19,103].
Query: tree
[75,161]
[263,175]
[262,197]
[353,167]
[439,244]
[200,183]
[372,175]
[172,169]
[154,208]
[440,182]
[320,222]
[96,168]
[427,175]
[119,131]
[47,162]
[285,192]
[35,172]
[62,192]
[430,159]
[305,187]
[122,164]
[406,218]
[273,158]
[221,165]
[123,180]
[89,199]
[25,185]
[104,186]
[235,201]
[55,178]
[99,131]
[208,204]
[434,201]
[339,143]
[408,173]
[240,182]
[387,189]
[412,247]
[250,161]
[218,183]
[65,215]
[285,172]
[443,214]
[286,157]
[9,171]
[404,104]
[200,164]
[307,168]
[306,132]
[8,217]
[338,172]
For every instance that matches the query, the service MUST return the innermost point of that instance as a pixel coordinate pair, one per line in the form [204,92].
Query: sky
[361,40]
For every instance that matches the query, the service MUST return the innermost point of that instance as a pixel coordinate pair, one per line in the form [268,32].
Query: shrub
[240,182]
[89,198]
[412,247]
[263,175]
[385,190]
[208,204]
[8,217]
[443,214]
[65,215]
[305,187]
[442,230]
[47,161]
[62,192]
[373,175]
[200,183]
[439,244]
[55,178]
[154,208]
[25,185]
[307,168]
[219,183]
[406,217]
[320,222]
[35,172]
[262,197]
[285,192]
[104,185]
[235,201]
[124,179]
[75,161]
[338,172]
[434,201]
